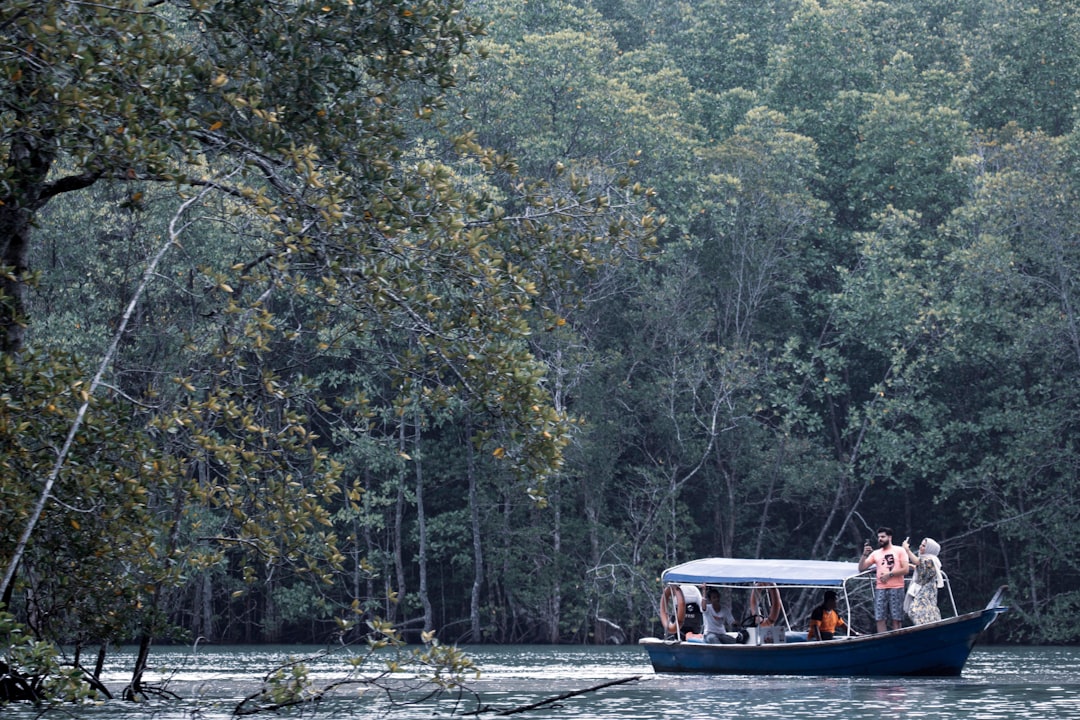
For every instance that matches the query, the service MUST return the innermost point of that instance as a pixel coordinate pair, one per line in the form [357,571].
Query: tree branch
[69,183]
[565,695]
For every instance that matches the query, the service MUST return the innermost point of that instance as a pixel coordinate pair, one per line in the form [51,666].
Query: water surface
[999,683]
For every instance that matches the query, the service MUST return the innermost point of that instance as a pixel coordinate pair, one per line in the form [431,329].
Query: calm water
[999,683]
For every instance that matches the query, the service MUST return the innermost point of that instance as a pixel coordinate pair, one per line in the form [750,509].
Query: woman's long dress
[924,607]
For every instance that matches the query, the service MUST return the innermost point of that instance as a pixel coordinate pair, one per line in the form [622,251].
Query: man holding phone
[892,566]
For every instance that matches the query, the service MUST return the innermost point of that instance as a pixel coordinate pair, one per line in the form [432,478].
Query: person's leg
[881,599]
[896,607]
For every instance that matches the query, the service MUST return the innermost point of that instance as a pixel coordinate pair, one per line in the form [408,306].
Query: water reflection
[998,684]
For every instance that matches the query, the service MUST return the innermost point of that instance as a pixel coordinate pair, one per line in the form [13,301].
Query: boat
[766,644]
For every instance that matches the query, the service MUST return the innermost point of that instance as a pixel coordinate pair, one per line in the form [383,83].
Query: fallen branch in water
[557,698]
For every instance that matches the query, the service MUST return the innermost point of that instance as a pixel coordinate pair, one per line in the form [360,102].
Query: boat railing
[851,597]
[948,586]
[944,577]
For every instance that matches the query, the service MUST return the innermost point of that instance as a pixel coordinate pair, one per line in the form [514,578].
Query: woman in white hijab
[921,601]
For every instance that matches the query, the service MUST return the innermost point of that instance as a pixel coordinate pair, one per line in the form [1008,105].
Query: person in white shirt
[716,618]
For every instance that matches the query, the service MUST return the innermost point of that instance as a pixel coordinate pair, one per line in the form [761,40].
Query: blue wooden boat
[933,649]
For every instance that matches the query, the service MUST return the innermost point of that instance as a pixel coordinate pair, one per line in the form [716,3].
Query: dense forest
[469,318]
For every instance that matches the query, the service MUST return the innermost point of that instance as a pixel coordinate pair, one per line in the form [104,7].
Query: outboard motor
[693,623]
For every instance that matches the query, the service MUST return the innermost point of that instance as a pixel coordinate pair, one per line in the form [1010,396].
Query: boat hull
[938,649]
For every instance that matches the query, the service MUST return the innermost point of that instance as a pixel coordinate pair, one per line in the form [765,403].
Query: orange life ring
[672,624]
[774,605]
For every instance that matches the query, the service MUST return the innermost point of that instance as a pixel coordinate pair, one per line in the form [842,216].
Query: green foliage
[101,535]
[314,237]
[828,48]
[33,671]
[1025,71]
[904,154]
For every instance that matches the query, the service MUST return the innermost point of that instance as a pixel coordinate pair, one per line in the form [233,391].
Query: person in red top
[824,619]
[891,563]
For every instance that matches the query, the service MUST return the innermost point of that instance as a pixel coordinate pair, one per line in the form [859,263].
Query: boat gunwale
[844,639]
[937,649]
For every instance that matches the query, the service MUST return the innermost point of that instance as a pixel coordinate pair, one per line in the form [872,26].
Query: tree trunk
[556,590]
[421,529]
[134,691]
[369,545]
[724,504]
[31,158]
[99,664]
[271,621]
[208,608]
[399,513]
[15,235]
[478,554]
[361,528]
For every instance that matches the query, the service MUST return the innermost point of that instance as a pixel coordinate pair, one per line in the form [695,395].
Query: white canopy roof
[782,572]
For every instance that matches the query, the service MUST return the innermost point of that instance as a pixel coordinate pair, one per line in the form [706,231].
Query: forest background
[473,317]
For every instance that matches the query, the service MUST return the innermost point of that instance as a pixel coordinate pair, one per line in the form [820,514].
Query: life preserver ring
[672,593]
[774,605]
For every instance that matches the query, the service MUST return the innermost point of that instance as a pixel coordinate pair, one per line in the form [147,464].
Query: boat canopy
[718,571]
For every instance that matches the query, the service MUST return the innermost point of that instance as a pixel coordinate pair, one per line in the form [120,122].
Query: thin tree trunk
[478,554]
[359,524]
[507,600]
[399,512]
[208,607]
[556,590]
[271,624]
[369,546]
[99,664]
[724,505]
[134,691]
[421,525]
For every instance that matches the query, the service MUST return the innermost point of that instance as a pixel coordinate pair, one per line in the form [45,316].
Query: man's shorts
[889,604]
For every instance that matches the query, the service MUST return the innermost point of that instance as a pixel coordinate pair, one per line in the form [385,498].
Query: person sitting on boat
[891,564]
[716,618]
[921,603]
[824,619]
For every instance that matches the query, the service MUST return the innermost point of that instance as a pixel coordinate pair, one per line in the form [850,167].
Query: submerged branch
[557,698]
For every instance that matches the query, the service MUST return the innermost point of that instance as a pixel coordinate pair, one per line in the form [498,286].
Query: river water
[999,683]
